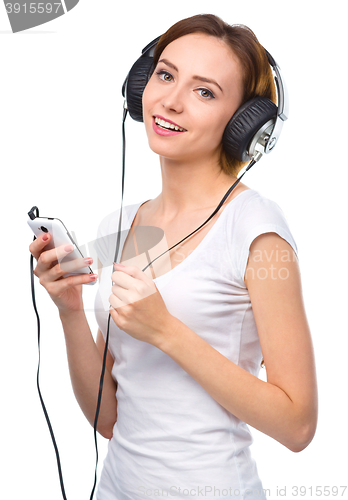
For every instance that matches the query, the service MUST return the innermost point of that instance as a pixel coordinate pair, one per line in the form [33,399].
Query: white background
[60,129]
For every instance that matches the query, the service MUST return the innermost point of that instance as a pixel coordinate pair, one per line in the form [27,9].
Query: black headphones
[253,130]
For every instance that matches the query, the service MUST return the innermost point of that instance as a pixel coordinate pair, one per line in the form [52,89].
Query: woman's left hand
[137,307]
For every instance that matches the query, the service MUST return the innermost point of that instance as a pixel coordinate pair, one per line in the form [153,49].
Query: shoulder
[253,216]
[255,208]
[255,213]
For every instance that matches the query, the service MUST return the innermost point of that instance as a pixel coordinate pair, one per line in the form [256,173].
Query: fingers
[132,272]
[115,302]
[130,277]
[120,296]
[131,287]
[52,264]
[122,279]
[61,269]
[38,245]
[56,288]
[47,259]
[70,266]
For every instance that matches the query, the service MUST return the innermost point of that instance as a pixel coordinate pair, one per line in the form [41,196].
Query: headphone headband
[150,48]
[283,104]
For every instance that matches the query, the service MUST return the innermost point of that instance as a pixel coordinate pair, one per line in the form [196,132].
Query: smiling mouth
[167,125]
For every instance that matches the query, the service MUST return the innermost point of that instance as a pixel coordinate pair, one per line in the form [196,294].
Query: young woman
[188,334]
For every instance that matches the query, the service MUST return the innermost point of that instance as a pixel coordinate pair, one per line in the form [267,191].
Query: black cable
[100,393]
[101,381]
[212,215]
[253,161]
[38,373]
[102,376]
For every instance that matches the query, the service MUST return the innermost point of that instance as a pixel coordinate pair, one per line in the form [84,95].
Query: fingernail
[68,248]
[93,277]
[88,261]
[45,237]
[118,265]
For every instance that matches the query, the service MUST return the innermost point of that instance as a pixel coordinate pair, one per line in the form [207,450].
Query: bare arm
[85,365]
[285,407]
[84,354]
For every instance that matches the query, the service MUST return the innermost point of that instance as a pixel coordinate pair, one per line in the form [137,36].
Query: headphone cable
[38,369]
[102,375]
[252,162]
[101,381]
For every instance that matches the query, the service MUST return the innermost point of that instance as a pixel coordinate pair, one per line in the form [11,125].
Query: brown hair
[257,74]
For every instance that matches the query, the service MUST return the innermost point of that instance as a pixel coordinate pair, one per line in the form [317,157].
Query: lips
[166,128]
[167,125]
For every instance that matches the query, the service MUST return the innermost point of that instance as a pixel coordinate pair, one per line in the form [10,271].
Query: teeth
[167,125]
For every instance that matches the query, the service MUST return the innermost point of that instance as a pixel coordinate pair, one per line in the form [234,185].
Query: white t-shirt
[171,438]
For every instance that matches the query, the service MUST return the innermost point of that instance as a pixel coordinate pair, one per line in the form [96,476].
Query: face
[191,96]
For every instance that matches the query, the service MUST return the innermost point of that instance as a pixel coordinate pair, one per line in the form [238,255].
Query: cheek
[214,126]
[222,121]
[148,96]
[146,101]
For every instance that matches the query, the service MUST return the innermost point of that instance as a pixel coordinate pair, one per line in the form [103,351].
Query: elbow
[106,430]
[106,433]
[106,425]
[302,437]
[304,427]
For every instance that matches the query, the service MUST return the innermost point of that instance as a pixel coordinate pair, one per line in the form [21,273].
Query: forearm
[260,404]
[85,365]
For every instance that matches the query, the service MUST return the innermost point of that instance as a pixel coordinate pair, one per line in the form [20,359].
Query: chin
[165,146]
[167,152]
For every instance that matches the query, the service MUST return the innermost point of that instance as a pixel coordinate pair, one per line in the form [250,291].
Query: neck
[189,186]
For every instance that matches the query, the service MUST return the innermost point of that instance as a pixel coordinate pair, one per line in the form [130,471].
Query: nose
[172,100]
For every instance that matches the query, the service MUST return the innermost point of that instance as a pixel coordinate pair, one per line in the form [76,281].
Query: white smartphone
[60,236]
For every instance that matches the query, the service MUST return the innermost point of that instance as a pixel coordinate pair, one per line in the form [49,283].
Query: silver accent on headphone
[257,156]
[260,140]
[271,143]
[283,108]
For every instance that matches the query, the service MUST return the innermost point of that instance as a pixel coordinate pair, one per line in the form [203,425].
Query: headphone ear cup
[245,124]
[137,80]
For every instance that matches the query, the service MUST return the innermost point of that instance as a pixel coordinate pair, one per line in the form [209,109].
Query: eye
[207,94]
[164,75]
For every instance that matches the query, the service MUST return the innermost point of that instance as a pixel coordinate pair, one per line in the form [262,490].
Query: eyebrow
[196,77]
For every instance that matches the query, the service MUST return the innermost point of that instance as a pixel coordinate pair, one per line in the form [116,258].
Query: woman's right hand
[66,293]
